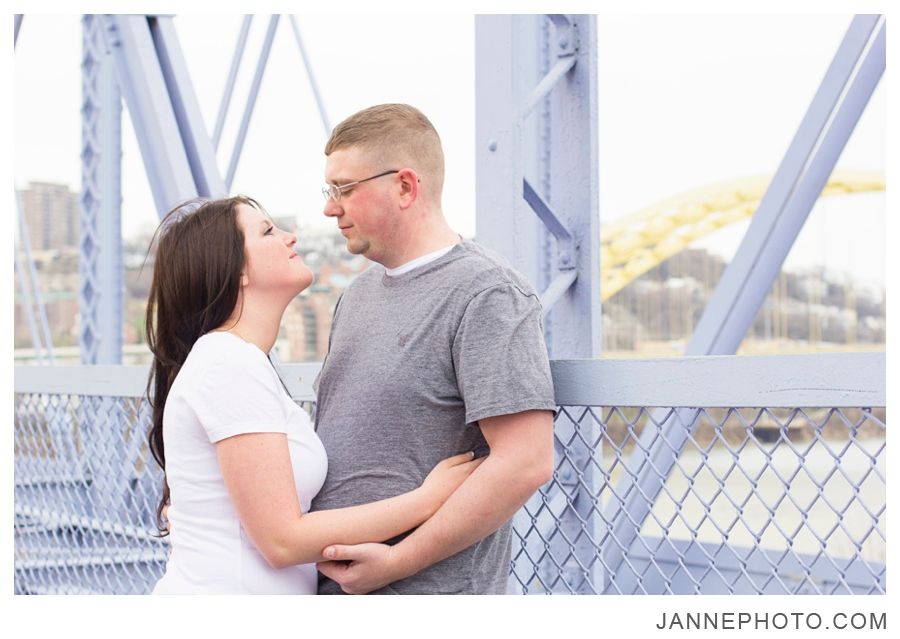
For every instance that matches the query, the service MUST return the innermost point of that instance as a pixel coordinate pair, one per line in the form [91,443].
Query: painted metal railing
[778,486]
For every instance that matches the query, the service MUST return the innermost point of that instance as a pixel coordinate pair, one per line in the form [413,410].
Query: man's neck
[424,240]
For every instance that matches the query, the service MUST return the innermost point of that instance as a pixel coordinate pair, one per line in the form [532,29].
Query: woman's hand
[447,476]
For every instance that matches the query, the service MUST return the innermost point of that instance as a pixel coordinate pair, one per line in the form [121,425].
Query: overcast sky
[685,101]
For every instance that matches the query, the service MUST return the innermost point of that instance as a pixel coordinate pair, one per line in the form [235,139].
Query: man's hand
[362,568]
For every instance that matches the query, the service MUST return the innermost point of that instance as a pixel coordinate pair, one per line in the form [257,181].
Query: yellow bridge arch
[632,245]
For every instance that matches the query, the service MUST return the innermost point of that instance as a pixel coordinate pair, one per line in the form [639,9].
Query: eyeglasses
[332,192]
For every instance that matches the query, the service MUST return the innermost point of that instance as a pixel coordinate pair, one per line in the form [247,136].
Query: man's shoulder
[478,268]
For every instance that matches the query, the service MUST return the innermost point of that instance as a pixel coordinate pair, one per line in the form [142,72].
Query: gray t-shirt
[414,361]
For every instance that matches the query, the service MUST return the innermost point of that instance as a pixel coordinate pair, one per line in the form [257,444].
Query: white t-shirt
[226,387]
[419,261]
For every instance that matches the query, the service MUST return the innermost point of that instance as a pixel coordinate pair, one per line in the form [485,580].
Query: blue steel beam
[312,78]
[574,325]
[560,68]
[506,150]
[232,78]
[803,173]
[558,151]
[251,100]
[514,148]
[506,146]
[556,289]
[100,265]
[550,219]
[146,95]
[100,242]
[200,153]
[564,59]
[179,157]
[551,286]
[833,113]
[570,186]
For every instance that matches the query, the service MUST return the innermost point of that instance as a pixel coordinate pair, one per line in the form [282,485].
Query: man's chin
[357,248]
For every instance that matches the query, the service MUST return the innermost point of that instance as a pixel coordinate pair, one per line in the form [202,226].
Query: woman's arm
[260,481]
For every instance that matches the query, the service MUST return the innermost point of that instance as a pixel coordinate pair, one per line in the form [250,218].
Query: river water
[834,500]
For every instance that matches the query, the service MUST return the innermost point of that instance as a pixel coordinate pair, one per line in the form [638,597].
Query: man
[437,349]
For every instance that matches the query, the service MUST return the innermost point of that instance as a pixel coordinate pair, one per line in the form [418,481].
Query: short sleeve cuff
[496,410]
[241,428]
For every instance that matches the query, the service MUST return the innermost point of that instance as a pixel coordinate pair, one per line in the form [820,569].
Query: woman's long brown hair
[195,287]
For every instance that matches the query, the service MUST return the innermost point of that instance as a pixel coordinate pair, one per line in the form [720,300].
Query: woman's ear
[245,280]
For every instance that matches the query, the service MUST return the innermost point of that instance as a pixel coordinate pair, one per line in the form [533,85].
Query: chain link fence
[757,501]
[643,500]
[86,490]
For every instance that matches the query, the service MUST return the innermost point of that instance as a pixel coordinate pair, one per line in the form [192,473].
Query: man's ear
[409,187]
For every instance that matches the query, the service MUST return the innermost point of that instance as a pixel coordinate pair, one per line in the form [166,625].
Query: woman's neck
[256,325]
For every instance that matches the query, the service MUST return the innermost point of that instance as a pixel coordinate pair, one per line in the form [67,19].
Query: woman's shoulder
[228,343]
[223,351]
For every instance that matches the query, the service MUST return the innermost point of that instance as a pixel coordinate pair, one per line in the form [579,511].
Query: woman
[241,459]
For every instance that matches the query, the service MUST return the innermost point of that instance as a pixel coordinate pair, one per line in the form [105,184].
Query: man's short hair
[390,133]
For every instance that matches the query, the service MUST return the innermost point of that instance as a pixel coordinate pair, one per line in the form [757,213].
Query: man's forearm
[483,503]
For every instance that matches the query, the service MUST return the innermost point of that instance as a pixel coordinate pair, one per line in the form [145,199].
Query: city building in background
[51,217]
[51,212]
[811,310]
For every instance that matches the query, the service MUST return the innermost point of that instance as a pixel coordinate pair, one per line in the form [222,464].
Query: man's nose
[332,209]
